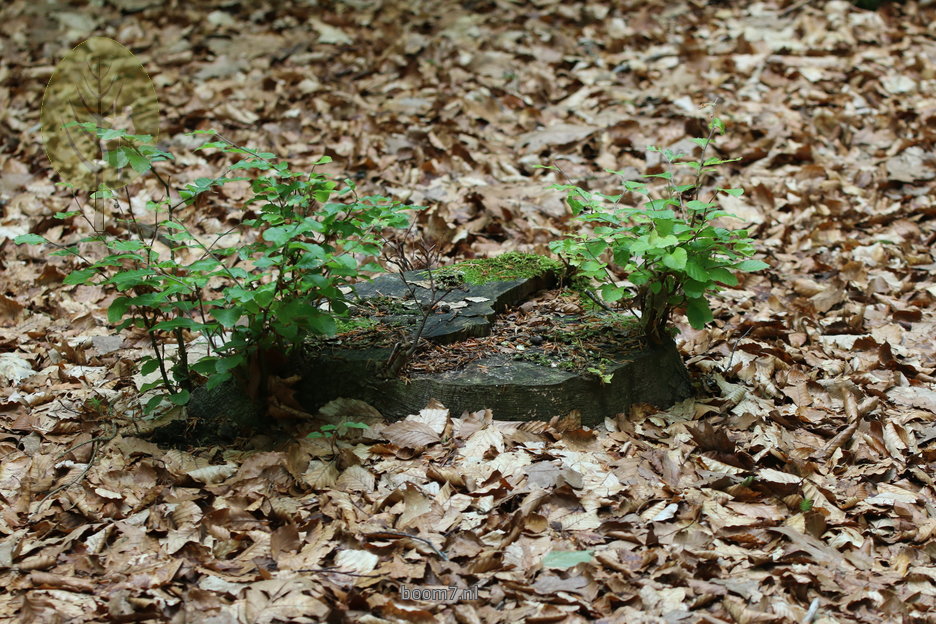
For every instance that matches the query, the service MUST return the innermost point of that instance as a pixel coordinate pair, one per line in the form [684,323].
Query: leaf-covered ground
[803,493]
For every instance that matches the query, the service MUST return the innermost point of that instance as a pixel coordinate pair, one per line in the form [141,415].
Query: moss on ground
[345,325]
[508,266]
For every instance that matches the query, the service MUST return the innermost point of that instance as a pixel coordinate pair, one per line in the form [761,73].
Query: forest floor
[804,493]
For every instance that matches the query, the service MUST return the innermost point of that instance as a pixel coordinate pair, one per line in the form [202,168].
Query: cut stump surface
[524,379]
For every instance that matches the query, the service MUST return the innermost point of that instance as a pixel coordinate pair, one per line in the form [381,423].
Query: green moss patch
[508,266]
[345,325]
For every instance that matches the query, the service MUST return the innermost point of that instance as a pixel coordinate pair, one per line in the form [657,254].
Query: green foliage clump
[305,237]
[668,247]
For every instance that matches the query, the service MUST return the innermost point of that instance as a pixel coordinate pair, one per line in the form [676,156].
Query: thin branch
[441,554]
[95,442]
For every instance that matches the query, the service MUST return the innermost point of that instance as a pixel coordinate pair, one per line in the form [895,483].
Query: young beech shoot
[668,246]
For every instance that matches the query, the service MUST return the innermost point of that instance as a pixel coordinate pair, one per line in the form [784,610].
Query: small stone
[536,339]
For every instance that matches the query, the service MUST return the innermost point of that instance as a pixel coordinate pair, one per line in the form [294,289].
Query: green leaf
[116,158]
[749,266]
[657,204]
[127,245]
[734,192]
[216,380]
[205,365]
[212,145]
[698,312]
[228,317]
[29,239]
[564,559]
[118,308]
[322,324]
[109,134]
[611,293]
[149,365]
[660,242]
[694,289]
[723,276]
[675,260]
[180,398]
[80,276]
[176,323]
[664,227]
[639,278]
[229,363]
[700,205]
[152,385]
[279,236]
[128,279]
[139,163]
[355,425]
[715,161]
[592,267]
[152,404]
[695,271]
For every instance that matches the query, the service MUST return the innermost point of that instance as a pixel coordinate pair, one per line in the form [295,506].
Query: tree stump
[483,352]
[528,379]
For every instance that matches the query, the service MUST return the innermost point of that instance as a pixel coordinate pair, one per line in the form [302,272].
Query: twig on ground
[796,6]
[426,258]
[96,442]
[441,554]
